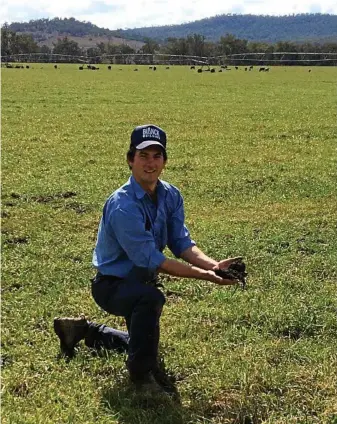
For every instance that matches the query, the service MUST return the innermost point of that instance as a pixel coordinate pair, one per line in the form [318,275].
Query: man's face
[147,165]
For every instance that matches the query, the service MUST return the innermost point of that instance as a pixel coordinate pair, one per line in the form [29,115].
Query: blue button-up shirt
[134,231]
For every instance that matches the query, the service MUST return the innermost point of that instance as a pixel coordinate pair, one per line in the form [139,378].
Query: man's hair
[132,151]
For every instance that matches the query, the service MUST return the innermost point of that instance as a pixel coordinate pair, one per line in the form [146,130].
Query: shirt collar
[140,192]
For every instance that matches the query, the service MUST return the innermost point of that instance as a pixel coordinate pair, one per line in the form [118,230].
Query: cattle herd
[201,68]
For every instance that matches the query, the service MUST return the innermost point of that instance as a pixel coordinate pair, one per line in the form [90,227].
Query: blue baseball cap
[148,135]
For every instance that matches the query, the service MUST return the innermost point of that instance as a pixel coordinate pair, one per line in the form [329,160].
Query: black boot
[70,331]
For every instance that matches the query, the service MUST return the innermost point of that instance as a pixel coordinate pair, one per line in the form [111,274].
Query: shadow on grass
[124,403]
[129,407]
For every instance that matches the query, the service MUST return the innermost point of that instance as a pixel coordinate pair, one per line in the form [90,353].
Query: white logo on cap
[151,133]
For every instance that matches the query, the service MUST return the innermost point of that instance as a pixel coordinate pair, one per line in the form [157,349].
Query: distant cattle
[27,66]
[167,67]
[212,70]
[192,67]
[309,70]
[220,70]
[109,67]
[150,67]
[199,71]
[223,66]
[154,68]
[81,68]
[236,67]
[135,69]
[262,69]
[55,66]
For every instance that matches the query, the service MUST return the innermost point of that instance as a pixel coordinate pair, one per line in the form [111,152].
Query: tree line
[193,45]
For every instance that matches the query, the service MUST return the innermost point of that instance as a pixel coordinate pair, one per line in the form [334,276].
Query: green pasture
[255,157]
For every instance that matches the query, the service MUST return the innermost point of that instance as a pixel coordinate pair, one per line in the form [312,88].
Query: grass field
[255,157]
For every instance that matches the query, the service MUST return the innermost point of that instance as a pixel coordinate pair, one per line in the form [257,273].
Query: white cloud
[115,14]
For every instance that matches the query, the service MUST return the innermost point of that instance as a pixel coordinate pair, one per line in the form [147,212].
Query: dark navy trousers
[141,304]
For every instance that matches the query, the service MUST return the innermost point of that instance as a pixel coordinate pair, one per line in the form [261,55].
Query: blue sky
[115,14]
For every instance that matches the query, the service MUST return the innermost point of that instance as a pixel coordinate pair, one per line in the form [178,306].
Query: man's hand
[225,263]
[232,269]
[222,281]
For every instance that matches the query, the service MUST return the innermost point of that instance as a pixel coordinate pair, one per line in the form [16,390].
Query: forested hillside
[303,27]
[42,29]
[271,29]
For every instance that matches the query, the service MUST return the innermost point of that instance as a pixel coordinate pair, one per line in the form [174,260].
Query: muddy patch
[51,198]
[17,240]
[79,208]
[40,198]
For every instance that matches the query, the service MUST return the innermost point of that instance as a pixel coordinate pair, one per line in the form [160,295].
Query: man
[139,220]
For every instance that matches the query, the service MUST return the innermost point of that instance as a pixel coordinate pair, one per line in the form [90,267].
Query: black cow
[109,67]
[55,66]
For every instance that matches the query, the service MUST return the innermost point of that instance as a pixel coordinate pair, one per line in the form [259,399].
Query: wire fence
[243,59]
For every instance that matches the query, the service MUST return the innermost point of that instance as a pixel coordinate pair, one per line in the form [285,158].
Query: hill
[85,42]
[86,34]
[297,28]
[303,27]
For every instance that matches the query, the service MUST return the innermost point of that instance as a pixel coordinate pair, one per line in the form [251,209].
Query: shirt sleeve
[139,244]
[178,235]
